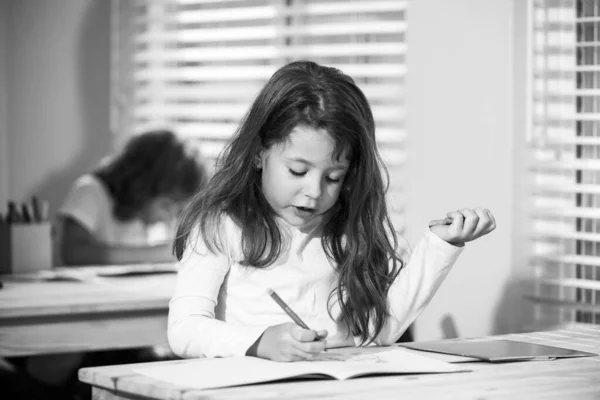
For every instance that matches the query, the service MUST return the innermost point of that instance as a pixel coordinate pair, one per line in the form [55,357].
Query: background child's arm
[79,247]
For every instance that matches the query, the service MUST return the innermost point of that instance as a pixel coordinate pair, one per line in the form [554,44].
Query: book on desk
[350,363]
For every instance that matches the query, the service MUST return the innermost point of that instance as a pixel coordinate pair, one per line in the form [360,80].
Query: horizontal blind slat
[566,69]
[568,165]
[567,188]
[570,259]
[246,91]
[571,141]
[225,34]
[570,116]
[234,73]
[564,303]
[568,91]
[575,212]
[268,12]
[568,235]
[205,54]
[574,283]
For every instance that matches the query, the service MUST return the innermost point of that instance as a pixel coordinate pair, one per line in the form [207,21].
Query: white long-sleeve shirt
[220,308]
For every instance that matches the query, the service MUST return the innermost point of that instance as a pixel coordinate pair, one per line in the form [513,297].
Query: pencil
[287,309]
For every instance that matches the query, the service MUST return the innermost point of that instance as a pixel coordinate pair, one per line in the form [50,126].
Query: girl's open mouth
[304,211]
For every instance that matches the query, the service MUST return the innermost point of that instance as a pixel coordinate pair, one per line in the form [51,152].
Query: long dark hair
[152,164]
[358,234]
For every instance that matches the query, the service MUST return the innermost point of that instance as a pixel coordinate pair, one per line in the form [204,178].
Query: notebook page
[208,373]
[386,362]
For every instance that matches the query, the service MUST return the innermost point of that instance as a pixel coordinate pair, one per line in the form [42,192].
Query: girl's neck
[307,229]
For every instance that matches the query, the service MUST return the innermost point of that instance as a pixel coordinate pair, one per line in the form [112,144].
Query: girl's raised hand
[464,225]
[290,342]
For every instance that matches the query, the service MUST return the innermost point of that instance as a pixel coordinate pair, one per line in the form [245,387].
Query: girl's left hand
[464,225]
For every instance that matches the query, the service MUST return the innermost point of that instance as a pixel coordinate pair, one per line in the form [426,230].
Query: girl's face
[300,180]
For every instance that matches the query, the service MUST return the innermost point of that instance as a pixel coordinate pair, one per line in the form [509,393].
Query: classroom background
[467,104]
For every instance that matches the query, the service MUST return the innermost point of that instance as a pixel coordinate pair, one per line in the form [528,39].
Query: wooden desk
[574,378]
[44,317]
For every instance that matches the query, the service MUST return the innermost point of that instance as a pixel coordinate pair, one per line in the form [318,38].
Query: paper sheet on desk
[58,275]
[91,272]
[136,269]
[206,373]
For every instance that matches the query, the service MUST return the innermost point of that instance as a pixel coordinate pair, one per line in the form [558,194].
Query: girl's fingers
[310,348]
[304,335]
[458,220]
[485,222]
[294,350]
[322,334]
[306,343]
[471,221]
[299,355]
[467,224]
[492,218]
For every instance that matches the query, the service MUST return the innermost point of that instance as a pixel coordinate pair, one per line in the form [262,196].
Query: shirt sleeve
[84,203]
[193,329]
[416,284]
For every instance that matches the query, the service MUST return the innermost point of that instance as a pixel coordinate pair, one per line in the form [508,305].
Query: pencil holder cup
[25,247]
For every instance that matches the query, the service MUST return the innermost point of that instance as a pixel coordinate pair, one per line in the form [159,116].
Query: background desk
[574,378]
[43,317]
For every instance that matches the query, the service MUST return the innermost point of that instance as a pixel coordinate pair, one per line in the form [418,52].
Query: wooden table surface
[39,316]
[572,378]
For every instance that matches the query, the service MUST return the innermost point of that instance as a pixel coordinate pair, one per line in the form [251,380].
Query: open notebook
[500,350]
[207,373]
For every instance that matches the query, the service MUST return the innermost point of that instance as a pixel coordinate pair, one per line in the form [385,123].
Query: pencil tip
[270,291]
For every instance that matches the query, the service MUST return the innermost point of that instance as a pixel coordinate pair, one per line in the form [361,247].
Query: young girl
[125,210]
[298,206]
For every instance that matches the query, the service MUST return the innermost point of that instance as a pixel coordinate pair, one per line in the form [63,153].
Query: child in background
[298,205]
[124,211]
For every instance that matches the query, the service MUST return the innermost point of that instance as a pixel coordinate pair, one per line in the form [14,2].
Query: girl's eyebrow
[341,166]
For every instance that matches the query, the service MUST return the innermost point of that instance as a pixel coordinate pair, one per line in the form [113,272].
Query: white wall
[57,85]
[519,313]
[460,124]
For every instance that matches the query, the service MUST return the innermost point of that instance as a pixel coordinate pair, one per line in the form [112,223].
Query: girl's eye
[296,173]
[333,180]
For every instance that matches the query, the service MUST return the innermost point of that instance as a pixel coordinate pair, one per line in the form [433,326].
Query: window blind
[565,142]
[196,65]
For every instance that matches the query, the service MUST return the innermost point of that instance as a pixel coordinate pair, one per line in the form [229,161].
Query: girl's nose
[314,188]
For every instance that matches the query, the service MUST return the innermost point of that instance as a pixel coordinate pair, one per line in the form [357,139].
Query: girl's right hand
[290,342]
